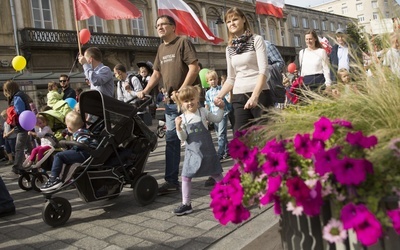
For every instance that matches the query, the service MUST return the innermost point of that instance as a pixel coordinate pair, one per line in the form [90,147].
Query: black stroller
[125,143]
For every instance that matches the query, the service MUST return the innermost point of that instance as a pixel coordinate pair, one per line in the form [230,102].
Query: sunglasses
[63,80]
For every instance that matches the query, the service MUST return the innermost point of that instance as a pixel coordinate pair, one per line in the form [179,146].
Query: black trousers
[245,118]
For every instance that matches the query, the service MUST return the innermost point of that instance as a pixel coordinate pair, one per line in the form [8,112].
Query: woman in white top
[247,68]
[314,62]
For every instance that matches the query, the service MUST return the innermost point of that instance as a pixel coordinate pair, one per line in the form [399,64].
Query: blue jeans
[221,131]
[6,201]
[10,145]
[173,145]
[67,157]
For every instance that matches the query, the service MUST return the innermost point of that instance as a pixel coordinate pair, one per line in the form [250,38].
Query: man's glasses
[162,24]
[63,80]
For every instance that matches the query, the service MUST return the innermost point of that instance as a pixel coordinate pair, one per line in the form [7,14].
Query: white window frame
[39,15]
[213,26]
[263,34]
[272,35]
[345,10]
[375,15]
[297,40]
[333,27]
[323,26]
[374,4]
[295,21]
[315,24]
[304,22]
[361,18]
[95,24]
[359,7]
[138,25]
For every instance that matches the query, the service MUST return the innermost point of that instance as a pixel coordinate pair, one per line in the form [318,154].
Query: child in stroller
[36,176]
[124,145]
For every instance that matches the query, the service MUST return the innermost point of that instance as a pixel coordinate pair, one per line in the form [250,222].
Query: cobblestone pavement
[121,223]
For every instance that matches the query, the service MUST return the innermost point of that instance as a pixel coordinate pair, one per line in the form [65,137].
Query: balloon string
[73,65]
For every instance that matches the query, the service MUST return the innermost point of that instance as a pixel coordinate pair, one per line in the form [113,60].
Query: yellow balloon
[19,63]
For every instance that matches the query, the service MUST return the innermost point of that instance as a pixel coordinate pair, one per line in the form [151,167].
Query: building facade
[367,12]
[45,33]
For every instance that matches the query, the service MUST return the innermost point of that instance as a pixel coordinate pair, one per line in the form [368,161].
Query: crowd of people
[253,84]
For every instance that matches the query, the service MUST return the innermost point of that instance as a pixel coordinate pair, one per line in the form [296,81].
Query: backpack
[130,76]
[12,116]
[275,83]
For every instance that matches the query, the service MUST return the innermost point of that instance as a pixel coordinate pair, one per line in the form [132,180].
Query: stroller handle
[141,103]
[70,144]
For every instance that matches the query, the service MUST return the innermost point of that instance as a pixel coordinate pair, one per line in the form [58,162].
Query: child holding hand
[201,158]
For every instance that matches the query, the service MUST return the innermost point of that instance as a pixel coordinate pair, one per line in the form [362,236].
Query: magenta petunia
[297,188]
[343,123]
[277,205]
[394,215]
[358,139]
[276,163]
[325,160]
[349,171]
[250,161]
[313,203]
[237,149]
[369,231]
[274,146]
[353,215]
[323,129]
[302,145]
[273,185]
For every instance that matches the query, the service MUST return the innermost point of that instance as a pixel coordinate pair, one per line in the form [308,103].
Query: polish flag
[105,9]
[270,7]
[187,22]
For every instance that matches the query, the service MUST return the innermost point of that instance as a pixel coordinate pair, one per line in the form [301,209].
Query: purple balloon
[27,120]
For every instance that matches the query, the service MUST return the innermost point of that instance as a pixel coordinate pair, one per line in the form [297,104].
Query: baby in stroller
[75,126]
[41,130]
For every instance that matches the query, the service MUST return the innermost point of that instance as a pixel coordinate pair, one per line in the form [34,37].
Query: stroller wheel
[38,180]
[56,212]
[24,181]
[146,188]
[160,132]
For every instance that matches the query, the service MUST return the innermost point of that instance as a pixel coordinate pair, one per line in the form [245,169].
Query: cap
[341,30]
[148,65]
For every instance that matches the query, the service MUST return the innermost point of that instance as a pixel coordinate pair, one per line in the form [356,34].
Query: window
[333,27]
[361,18]
[304,21]
[374,4]
[339,25]
[375,15]
[323,25]
[345,10]
[295,22]
[95,24]
[138,25]
[262,33]
[42,14]
[272,35]
[315,24]
[213,26]
[359,7]
[385,3]
[297,42]
[387,15]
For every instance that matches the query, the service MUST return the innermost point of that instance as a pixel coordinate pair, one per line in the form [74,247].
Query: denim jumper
[201,158]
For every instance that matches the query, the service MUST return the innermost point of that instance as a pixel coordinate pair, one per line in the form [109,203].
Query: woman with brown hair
[247,71]
[314,63]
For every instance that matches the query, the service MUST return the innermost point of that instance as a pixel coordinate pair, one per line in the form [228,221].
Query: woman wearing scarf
[247,66]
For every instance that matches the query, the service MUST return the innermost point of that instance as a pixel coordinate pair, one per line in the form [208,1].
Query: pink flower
[353,215]
[343,123]
[276,163]
[273,146]
[323,129]
[302,145]
[297,188]
[237,149]
[350,171]
[334,232]
[325,160]
[358,139]
[370,230]
[296,210]
[394,215]
[250,160]
[273,185]
[313,202]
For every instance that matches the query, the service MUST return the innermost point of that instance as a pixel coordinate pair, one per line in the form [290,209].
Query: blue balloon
[71,102]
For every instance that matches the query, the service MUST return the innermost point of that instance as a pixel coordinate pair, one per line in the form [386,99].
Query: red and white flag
[270,7]
[105,9]
[187,22]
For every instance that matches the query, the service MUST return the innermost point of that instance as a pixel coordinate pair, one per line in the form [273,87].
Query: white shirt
[314,62]
[343,56]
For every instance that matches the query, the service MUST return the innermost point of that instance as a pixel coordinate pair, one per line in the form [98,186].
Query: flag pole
[77,29]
